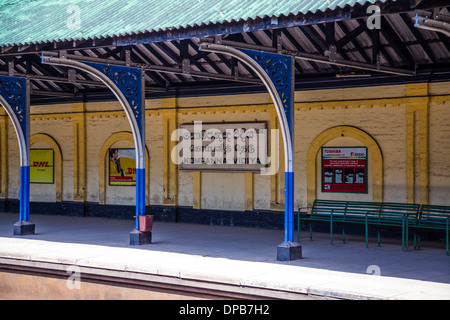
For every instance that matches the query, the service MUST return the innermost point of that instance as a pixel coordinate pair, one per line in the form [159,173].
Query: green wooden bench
[378,214]
[395,215]
[433,217]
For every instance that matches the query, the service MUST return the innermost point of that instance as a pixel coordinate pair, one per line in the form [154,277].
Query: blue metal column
[127,84]
[277,74]
[14,97]
[280,70]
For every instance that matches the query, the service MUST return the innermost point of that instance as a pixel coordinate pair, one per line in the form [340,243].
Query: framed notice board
[344,169]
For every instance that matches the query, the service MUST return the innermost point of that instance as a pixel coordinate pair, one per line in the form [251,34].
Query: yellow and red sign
[41,166]
[122,167]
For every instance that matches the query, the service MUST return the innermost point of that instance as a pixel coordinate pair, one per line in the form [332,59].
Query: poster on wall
[41,166]
[224,146]
[344,169]
[122,167]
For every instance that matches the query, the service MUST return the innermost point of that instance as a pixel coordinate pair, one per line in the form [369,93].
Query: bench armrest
[308,209]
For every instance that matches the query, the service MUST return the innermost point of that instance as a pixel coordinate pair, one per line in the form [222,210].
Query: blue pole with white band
[277,74]
[14,97]
[24,213]
[280,71]
[130,83]
[127,84]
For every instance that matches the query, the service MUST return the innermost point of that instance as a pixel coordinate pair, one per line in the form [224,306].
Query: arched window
[58,173]
[345,131]
[102,167]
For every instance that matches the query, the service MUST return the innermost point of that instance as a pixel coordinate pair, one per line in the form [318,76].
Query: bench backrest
[432,213]
[326,206]
[426,216]
[394,210]
[359,208]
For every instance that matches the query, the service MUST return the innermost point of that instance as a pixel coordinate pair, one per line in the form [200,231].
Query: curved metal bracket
[126,83]
[94,69]
[274,70]
[424,20]
[15,100]
[255,66]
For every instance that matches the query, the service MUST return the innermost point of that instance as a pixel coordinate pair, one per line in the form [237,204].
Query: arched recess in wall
[42,137]
[119,136]
[352,132]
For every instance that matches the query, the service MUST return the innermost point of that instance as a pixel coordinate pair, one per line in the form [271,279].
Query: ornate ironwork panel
[14,91]
[129,81]
[279,68]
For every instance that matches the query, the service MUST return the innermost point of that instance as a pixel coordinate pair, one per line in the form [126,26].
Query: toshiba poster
[344,169]
[41,166]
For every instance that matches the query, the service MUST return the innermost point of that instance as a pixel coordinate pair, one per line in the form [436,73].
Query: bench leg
[331,230]
[407,236]
[379,238]
[403,235]
[367,235]
[415,246]
[310,231]
[416,241]
[343,235]
[446,236]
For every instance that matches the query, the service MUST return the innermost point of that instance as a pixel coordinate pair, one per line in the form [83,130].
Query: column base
[137,237]
[22,228]
[288,251]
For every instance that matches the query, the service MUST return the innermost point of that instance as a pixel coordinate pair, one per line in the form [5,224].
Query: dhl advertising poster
[41,166]
[122,167]
[344,169]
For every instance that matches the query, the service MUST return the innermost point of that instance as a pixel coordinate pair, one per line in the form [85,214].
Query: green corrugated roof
[38,21]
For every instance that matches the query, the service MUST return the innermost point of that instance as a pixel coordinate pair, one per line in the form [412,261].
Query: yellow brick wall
[394,116]
[154,141]
[440,153]
[222,190]
[385,124]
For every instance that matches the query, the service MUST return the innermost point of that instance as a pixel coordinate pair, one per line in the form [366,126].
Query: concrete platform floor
[239,255]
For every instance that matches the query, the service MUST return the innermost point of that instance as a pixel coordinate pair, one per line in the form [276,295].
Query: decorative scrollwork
[13,91]
[129,82]
[279,69]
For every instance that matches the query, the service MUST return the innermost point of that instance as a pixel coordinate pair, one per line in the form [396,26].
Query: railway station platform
[90,258]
